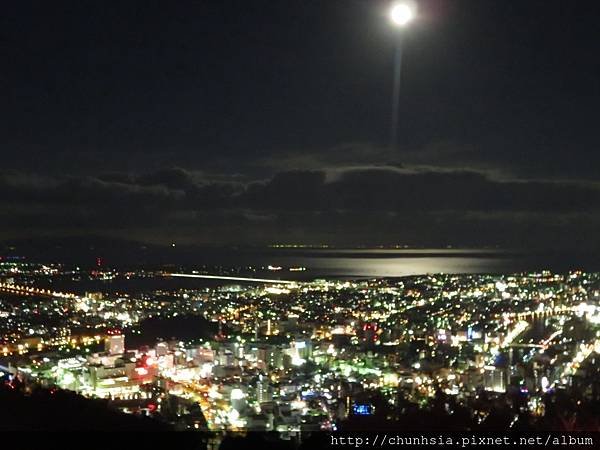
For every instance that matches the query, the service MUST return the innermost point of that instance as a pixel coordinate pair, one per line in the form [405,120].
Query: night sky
[259,122]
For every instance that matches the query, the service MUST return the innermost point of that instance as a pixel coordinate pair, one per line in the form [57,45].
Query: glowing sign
[363,409]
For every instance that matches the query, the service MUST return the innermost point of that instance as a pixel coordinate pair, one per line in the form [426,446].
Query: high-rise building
[264,393]
[115,344]
[161,349]
[303,348]
[494,379]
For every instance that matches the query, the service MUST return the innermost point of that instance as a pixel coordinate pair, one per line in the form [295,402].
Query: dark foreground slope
[57,410]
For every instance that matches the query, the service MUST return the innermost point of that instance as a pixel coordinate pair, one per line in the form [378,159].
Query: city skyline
[304,359]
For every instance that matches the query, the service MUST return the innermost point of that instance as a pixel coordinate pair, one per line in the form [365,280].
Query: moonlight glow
[402,13]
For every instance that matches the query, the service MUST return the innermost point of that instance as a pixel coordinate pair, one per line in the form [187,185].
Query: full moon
[402,13]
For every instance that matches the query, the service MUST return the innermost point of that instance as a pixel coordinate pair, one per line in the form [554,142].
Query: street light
[401,14]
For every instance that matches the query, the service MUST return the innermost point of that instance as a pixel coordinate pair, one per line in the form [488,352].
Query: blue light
[362,409]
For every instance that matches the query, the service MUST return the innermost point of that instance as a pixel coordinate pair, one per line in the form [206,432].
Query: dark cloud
[375,205]
[407,191]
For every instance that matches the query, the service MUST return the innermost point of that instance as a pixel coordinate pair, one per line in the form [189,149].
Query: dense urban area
[477,351]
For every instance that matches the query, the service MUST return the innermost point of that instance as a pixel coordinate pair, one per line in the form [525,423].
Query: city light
[297,346]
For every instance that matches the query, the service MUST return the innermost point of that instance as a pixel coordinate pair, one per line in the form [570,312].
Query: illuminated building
[494,379]
[115,344]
